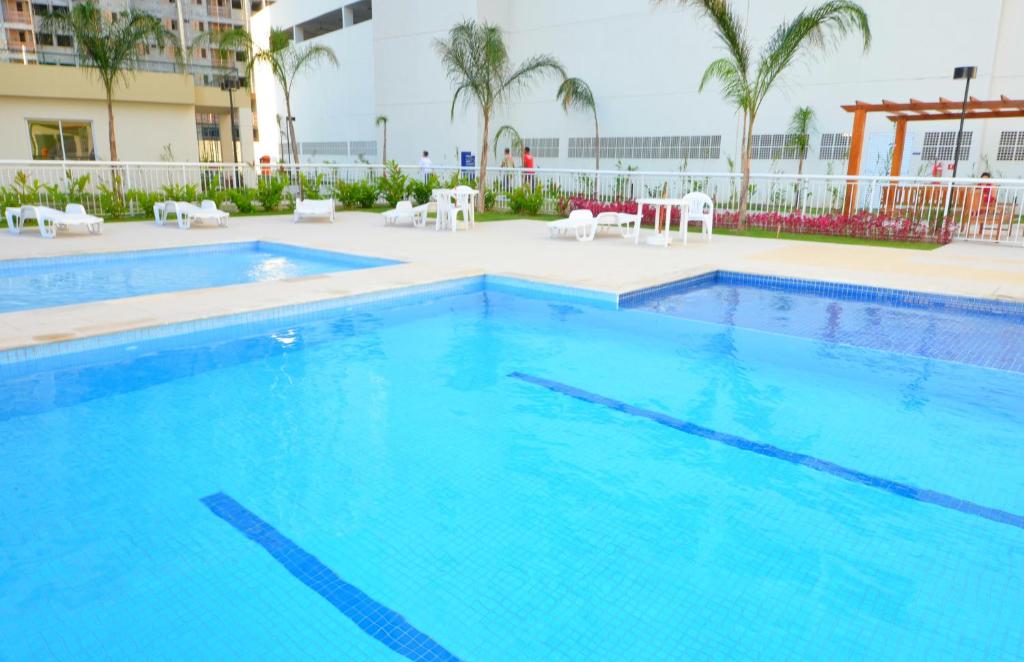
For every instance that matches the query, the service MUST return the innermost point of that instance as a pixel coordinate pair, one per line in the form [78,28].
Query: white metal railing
[973,209]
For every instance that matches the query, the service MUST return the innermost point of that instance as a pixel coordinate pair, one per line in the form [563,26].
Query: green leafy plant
[364,194]
[180,192]
[393,184]
[140,201]
[526,200]
[421,190]
[575,94]
[26,190]
[311,186]
[270,191]
[490,199]
[111,201]
[244,199]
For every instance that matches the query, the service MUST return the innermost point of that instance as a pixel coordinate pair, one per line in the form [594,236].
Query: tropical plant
[382,121]
[575,94]
[244,199]
[478,65]
[421,190]
[183,192]
[111,44]
[744,84]
[310,186]
[141,201]
[286,59]
[394,184]
[526,200]
[801,125]
[270,191]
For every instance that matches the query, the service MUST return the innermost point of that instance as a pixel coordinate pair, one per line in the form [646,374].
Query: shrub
[311,186]
[490,199]
[393,184]
[270,191]
[244,199]
[142,202]
[364,194]
[111,202]
[180,192]
[421,191]
[526,200]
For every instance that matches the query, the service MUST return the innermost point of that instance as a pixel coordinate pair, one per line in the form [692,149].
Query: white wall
[644,62]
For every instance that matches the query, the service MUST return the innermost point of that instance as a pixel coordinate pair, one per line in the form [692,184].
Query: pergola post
[860,117]
[897,162]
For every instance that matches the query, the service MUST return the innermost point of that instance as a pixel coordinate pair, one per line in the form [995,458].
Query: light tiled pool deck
[519,249]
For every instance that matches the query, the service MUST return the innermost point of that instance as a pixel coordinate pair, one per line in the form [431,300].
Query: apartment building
[25,41]
[644,62]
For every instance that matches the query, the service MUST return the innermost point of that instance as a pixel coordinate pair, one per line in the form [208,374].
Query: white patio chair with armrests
[698,208]
[306,209]
[464,200]
[581,223]
[448,212]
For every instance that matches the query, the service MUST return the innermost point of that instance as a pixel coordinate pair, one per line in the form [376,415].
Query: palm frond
[523,76]
[728,28]
[515,141]
[575,94]
[802,124]
[735,86]
[382,120]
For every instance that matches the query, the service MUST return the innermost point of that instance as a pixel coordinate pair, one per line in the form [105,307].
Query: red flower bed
[862,225]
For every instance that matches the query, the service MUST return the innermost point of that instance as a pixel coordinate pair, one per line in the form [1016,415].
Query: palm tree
[575,94]
[746,86]
[515,141]
[111,46]
[478,65]
[801,125]
[382,121]
[286,59]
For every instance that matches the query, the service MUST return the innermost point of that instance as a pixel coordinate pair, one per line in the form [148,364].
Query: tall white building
[644,62]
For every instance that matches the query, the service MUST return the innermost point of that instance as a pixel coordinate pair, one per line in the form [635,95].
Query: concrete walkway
[516,248]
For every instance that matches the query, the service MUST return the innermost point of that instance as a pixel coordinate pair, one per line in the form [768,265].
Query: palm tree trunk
[384,155]
[110,126]
[745,182]
[597,145]
[483,162]
[799,173]
[291,128]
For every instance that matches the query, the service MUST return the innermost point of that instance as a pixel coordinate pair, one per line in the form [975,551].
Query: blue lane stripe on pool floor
[893,487]
[383,624]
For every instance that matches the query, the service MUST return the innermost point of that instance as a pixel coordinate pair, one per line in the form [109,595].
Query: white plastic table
[659,205]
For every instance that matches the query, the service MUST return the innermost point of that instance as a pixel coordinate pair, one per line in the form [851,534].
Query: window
[363,147]
[21,36]
[649,147]
[174,24]
[44,39]
[774,146]
[834,147]
[325,148]
[939,145]
[39,8]
[1011,146]
[542,148]
[65,40]
[61,139]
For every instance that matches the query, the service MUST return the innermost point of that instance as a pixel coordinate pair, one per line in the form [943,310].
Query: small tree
[112,46]
[286,59]
[801,125]
[575,94]
[477,62]
[746,86]
[382,121]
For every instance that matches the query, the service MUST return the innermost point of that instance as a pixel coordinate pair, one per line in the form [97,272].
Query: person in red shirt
[528,166]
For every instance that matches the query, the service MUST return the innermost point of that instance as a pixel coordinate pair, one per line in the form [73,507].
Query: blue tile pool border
[32,264]
[800,459]
[891,296]
[375,619]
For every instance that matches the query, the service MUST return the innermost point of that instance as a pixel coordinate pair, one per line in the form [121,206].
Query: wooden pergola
[902,112]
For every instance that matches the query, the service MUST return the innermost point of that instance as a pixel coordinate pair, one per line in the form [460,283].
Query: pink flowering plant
[862,225]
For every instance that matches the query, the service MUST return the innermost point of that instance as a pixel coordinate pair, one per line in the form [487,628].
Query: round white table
[659,205]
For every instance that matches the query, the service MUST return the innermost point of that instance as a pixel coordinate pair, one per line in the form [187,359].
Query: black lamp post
[229,83]
[962,73]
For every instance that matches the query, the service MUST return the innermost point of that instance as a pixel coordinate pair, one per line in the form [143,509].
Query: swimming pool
[44,282]
[492,474]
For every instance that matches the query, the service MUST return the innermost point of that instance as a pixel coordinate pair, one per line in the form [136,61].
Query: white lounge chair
[186,213]
[52,220]
[611,219]
[697,208]
[581,222]
[306,209]
[404,211]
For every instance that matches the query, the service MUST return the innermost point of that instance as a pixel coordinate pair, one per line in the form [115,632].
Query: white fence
[972,209]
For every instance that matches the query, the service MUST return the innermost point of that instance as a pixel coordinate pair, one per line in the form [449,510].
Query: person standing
[508,163]
[426,165]
[528,166]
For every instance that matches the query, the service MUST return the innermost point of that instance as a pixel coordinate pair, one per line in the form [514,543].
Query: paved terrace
[514,248]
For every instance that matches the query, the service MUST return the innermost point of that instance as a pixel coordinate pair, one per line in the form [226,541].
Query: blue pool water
[45,282]
[487,476]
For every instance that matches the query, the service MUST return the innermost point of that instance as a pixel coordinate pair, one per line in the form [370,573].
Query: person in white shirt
[425,165]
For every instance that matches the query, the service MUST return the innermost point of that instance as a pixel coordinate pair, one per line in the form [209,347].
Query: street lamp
[962,73]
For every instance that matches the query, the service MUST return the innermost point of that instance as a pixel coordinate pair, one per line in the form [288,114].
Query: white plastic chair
[581,222]
[697,208]
[448,211]
[464,200]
